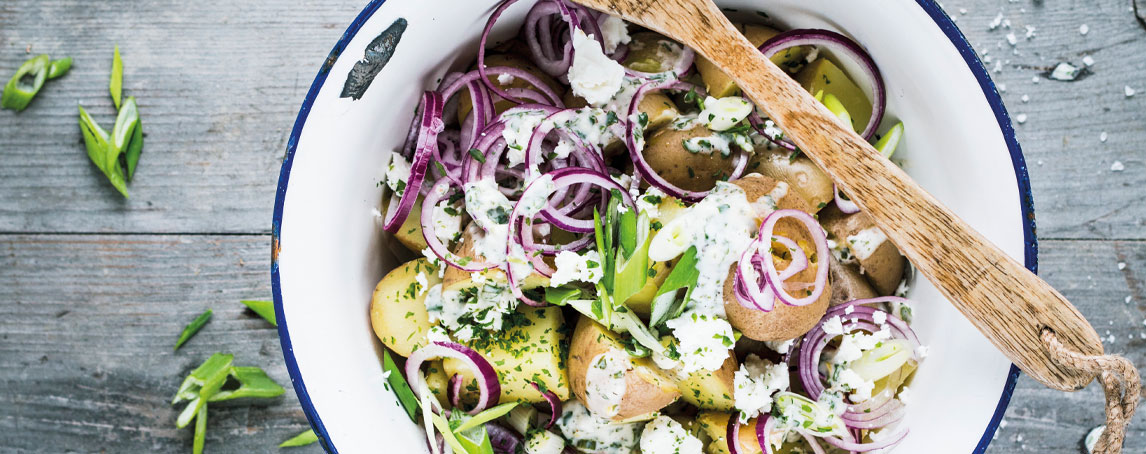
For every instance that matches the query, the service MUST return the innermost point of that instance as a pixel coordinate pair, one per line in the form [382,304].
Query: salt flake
[1117,166]
[1021,118]
[1128,91]
[1083,29]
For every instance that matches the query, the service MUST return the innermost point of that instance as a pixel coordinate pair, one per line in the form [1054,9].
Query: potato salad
[611,250]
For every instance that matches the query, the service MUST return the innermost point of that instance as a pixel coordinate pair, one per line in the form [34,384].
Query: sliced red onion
[554,404]
[502,439]
[750,291]
[733,433]
[773,277]
[764,426]
[680,67]
[844,204]
[842,46]
[440,191]
[454,391]
[483,71]
[427,145]
[813,443]
[487,382]
[852,445]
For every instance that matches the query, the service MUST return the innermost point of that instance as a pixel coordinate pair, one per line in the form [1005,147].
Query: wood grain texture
[87,325]
[219,85]
[1005,301]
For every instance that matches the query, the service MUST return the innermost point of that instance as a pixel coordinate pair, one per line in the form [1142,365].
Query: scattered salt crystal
[1026,98]
[1002,87]
[1035,80]
[1021,118]
[1030,31]
[1110,339]
[1129,91]
[1012,39]
[1102,138]
[1003,424]
[962,10]
[1088,60]
[1121,266]
[998,67]
[1117,166]
[1083,29]
[1040,162]
[1128,298]
[1144,322]
[1064,71]
[995,22]
[1019,437]
[1142,335]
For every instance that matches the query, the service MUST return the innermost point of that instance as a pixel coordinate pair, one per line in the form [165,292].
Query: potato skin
[784,321]
[667,157]
[647,388]
[398,310]
[884,267]
[718,83]
[714,424]
[848,284]
[801,173]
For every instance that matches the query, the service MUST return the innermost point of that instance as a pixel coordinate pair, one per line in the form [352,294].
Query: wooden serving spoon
[1008,303]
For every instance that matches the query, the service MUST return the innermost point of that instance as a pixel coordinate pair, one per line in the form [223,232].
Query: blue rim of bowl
[932,9]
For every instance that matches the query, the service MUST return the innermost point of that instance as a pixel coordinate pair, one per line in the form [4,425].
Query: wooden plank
[219,84]
[1076,193]
[87,325]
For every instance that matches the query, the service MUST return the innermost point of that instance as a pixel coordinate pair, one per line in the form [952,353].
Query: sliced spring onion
[101,152]
[302,439]
[212,373]
[887,144]
[428,417]
[444,427]
[265,309]
[18,92]
[115,86]
[883,360]
[559,295]
[401,388]
[200,430]
[684,274]
[486,416]
[812,417]
[59,67]
[253,382]
[521,418]
[833,104]
[632,268]
[192,328]
[134,148]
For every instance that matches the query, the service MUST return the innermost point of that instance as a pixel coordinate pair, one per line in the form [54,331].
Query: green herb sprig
[206,384]
[116,154]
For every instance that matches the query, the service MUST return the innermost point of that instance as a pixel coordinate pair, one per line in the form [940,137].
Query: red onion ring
[733,433]
[484,374]
[839,44]
[845,205]
[454,391]
[554,404]
[502,439]
[852,445]
[775,279]
[750,292]
[427,145]
[680,67]
[437,193]
[764,426]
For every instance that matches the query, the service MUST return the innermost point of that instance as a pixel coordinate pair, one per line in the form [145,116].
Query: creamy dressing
[544,442]
[864,243]
[490,210]
[447,226]
[722,142]
[605,382]
[592,434]
[519,127]
[663,435]
[593,76]
[755,383]
[767,203]
[724,113]
[483,307]
[397,173]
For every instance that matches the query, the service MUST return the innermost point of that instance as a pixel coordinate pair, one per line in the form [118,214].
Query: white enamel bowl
[329,251]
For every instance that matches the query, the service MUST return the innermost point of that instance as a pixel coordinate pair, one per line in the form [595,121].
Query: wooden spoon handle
[1007,302]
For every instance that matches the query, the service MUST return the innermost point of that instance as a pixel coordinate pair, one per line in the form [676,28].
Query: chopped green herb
[193,328]
[302,439]
[59,67]
[477,155]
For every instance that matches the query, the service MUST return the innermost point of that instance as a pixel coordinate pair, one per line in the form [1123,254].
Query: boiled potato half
[667,156]
[823,75]
[712,390]
[398,309]
[647,388]
[878,258]
[720,85]
[410,233]
[804,177]
[531,347]
[783,322]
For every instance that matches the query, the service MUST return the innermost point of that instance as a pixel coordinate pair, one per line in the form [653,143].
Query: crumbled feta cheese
[851,381]
[484,307]
[593,76]
[575,267]
[724,113]
[852,345]
[397,173]
[614,32]
[504,78]
[490,210]
[1117,166]
[649,203]
[996,22]
[922,351]
[904,395]
[663,435]
[755,383]
[780,347]
[865,242]
[1065,71]
[519,127]
[880,317]
[704,340]
[544,442]
[834,326]
[1012,39]
[1030,31]
[434,260]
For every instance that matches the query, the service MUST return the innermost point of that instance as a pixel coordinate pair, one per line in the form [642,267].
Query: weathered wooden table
[94,288]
